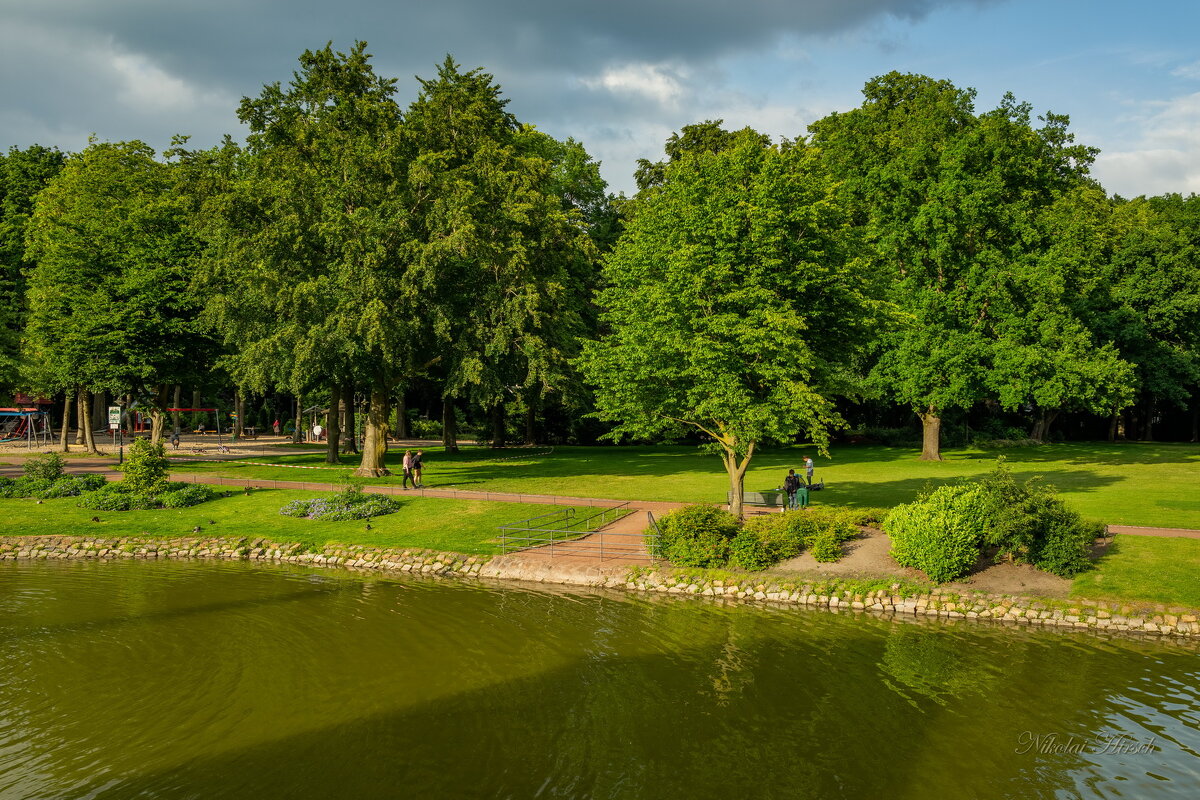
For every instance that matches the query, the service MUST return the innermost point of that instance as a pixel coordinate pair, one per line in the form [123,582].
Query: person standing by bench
[791,484]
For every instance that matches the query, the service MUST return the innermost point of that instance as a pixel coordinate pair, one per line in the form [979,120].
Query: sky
[617,75]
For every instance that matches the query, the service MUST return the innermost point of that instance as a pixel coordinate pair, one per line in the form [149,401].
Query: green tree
[730,306]
[501,252]
[109,300]
[949,203]
[307,284]
[23,173]
[1156,300]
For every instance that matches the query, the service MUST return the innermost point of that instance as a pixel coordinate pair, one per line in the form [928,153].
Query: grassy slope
[463,526]
[1126,483]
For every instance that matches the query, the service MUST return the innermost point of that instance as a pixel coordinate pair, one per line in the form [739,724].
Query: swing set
[25,424]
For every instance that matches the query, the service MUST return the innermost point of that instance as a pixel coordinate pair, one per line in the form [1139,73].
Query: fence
[564,532]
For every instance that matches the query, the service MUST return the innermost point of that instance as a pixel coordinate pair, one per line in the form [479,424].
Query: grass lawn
[462,526]
[1145,568]
[1122,483]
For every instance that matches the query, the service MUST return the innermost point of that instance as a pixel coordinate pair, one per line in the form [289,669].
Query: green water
[213,680]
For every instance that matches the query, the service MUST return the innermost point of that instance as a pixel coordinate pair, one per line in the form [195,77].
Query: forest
[913,271]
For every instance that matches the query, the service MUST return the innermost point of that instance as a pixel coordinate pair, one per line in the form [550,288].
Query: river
[209,680]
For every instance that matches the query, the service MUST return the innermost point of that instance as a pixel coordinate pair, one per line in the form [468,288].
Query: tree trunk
[333,422]
[498,425]
[86,422]
[64,441]
[1148,426]
[99,412]
[1112,427]
[449,426]
[931,435]
[531,419]
[1196,422]
[375,442]
[239,410]
[80,435]
[737,475]
[1041,426]
[176,403]
[351,432]
[298,432]
[158,417]
[400,431]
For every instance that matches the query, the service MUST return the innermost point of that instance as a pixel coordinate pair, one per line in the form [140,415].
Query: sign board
[114,417]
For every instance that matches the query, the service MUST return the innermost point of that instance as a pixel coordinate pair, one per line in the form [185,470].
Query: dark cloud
[148,69]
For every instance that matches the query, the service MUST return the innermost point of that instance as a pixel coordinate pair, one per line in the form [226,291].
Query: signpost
[114,417]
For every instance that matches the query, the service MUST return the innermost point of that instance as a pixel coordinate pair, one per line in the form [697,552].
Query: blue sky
[621,75]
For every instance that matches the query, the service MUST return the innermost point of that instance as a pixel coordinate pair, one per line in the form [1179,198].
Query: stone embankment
[1084,614]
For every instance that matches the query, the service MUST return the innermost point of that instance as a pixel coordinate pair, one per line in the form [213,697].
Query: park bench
[775,498]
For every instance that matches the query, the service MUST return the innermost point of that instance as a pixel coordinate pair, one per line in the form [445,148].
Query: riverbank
[838,594]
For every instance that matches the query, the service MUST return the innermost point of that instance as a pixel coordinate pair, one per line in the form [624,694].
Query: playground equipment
[216,412]
[25,424]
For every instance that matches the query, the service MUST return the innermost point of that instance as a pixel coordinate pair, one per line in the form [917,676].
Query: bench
[775,498]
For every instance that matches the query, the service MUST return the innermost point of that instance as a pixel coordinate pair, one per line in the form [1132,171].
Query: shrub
[146,467]
[350,503]
[48,467]
[826,546]
[1030,523]
[71,486]
[746,550]
[183,495]
[116,497]
[941,533]
[696,536]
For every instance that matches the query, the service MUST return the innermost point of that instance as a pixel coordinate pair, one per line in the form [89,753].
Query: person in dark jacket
[791,484]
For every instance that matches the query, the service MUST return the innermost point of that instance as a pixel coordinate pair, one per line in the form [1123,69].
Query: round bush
[48,467]
[182,495]
[696,536]
[826,545]
[941,533]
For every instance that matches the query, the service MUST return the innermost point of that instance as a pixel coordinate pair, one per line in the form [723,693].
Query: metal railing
[563,532]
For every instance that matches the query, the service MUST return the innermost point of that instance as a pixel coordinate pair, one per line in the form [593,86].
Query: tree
[1156,300]
[109,300]
[307,284]
[949,204]
[501,252]
[23,173]
[730,305]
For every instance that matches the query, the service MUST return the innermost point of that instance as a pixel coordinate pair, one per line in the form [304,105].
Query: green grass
[1145,568]
[462,526]
[1123,483]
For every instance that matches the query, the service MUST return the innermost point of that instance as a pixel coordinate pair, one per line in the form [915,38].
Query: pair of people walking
[412,468]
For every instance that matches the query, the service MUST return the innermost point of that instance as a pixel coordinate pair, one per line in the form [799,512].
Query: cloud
[602,72]
[1188,71]
[1165,158]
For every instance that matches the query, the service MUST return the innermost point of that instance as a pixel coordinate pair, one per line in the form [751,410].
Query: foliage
[123,496]
[747,551]
[732,304]
[1028,522]
[146,467]
[49,466]
[350,503]
[109,301]
[826,546]
[696,536]
[49,488]
[941,533]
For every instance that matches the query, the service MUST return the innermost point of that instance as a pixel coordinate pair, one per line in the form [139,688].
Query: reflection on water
[209,680]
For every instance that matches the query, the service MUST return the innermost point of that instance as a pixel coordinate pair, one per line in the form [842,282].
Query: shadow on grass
[904,490]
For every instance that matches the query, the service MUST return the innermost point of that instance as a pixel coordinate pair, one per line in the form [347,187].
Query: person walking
[808,469]
[417,468]
[790,485]
[275,427]
[408,473]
